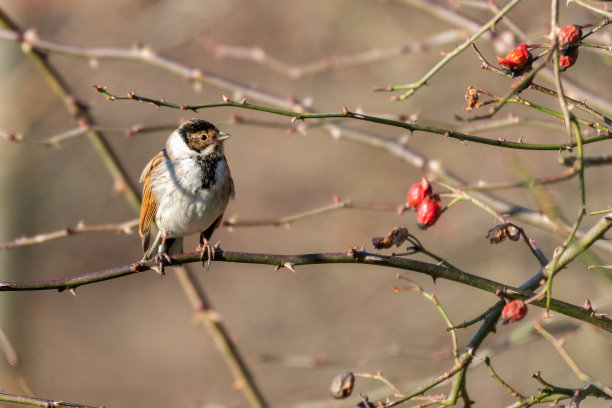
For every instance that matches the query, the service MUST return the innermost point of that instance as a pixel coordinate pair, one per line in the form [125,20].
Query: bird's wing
[231,180]
[148,207]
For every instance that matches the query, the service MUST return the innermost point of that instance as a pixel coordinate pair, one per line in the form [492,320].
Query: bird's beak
[223,136]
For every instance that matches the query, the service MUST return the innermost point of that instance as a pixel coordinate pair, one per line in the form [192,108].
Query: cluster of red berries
[519,59]
[568,41]
[427,204]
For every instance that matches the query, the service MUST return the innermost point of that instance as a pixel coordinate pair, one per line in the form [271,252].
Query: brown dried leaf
[471,96]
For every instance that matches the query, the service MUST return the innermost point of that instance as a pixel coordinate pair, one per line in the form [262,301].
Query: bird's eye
[204,137]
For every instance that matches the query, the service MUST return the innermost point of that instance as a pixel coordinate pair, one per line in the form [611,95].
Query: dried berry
[418,192]
[396,237]
[342,385]
[500,232]
[516,59]
[569,38]
[569,59]
[514,311]
[428,212]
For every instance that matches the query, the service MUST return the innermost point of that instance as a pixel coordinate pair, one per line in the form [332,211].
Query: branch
[347,114]
[339,204]
[56,140]
[436,271]
[413,87]
[80,228]
[260,56]
[39,402]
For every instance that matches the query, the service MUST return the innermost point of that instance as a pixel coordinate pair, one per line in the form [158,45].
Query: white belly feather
[184,208]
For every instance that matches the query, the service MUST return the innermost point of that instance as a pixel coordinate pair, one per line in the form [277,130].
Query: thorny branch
[346,113]
[354,255]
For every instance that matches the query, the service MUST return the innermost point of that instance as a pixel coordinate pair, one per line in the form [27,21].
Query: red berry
[516,59]
[568,59]
[428,212]
[418,192]
[569,37]
[514,311]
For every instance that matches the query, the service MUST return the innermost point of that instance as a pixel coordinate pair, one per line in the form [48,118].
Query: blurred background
[135,341]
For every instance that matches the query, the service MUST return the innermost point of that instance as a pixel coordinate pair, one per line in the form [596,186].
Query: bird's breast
[190,194]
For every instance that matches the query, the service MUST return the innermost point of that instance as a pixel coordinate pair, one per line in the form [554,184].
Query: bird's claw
[162,258]
[207,249]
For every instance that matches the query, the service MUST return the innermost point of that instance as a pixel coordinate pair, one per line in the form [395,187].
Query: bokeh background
[135,341]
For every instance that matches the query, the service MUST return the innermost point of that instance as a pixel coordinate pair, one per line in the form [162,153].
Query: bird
[186,189]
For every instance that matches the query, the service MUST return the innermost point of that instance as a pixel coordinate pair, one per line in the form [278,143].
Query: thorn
[73,291]
[243,101]
[226,99]
[290,266]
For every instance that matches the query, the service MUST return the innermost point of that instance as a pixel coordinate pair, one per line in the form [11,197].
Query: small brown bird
[187,187]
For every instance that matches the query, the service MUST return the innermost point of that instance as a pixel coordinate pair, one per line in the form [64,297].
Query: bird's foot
[209,250]
[161,259]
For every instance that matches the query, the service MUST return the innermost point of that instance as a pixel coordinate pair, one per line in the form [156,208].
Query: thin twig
[558,345]
[554,21]
[39,402]
[235,221]
[7,348]
[553,268]
[81,228]
[432,298]
[508,387]
[260,56]
[605,14]
[487,185]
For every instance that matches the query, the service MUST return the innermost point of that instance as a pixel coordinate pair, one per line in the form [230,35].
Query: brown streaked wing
[148,207]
